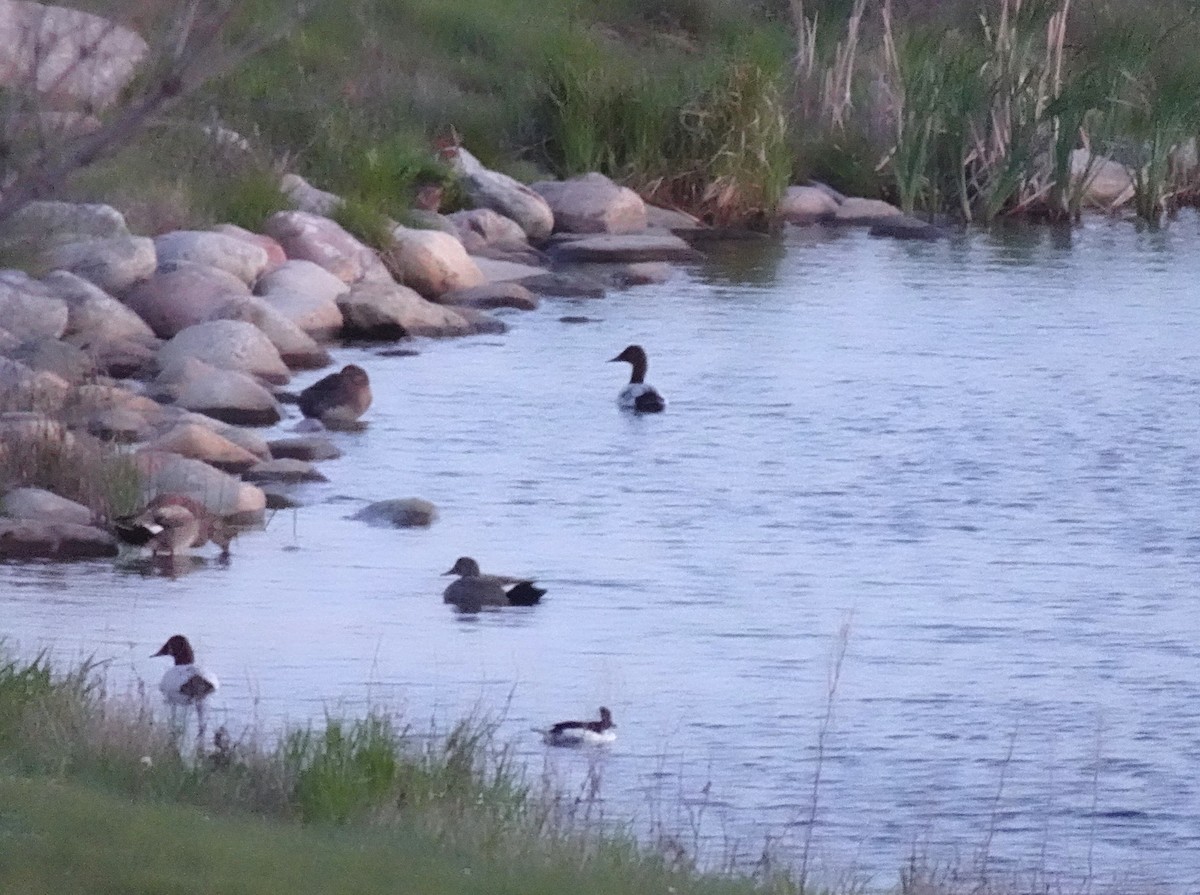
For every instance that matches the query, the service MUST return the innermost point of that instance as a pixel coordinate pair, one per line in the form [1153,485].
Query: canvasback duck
[473,590]
[581,733]
[171,523]
[638,396]
[185,683]
[338,399]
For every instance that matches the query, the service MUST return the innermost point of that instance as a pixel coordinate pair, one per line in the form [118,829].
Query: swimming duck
[185,683]
[339,398]
[581,733]
[638,396]
[171,523]
[474,590]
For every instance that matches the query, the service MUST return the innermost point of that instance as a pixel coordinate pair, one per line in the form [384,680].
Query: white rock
[94,316]
[592,203]
[306,197]
[325,242]
[66,54]
[221,493]
[44,506]
[29,309]
[113,264]
[228,345]
[807,205]
[432,262]
[502,194]
[239,257]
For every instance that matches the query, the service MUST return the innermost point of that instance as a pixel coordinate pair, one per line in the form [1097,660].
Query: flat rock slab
[905,227]
[864,212]
[304,447]
[565,285]
[627,247]
[406,512]
[23,539]
[496,270]
[284,472]
[40,505]
[491,296]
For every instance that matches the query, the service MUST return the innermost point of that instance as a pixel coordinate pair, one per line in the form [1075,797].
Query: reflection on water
[981,452]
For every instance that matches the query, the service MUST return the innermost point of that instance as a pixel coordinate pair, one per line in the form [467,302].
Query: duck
[638,396]
[581,733]
[473,590]
[339,398]
[185,684]
[172,523]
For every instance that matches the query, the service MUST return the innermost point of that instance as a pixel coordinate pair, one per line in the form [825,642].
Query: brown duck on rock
[339,399]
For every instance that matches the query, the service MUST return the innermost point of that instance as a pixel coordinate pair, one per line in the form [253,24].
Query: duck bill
[614,359]
[161,652]
[450,572]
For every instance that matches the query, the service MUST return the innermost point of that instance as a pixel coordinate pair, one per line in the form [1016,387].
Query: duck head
[464,565]
[635,356]
[606,720]
[178,648]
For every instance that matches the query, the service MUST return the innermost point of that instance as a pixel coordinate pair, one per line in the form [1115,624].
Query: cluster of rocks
[175,344]
[179,344]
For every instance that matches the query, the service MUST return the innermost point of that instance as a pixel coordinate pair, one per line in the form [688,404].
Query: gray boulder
[650,246]
[490,296]
[324,242]
[186,294]
[863,212]
[306,197]
[113,264]
[48,223]
[482,228]
[226,395]
[28,309]
[305,447]
[807,205]
[39,505]
[202,443]
[432,262]
[94,316]
[72,364]
[502,194]
[231,345]
[66,55]
[297,348]
[592,203]
[222,494]
[239,257]
[392,311]
[59,541]
[284,471]
[406,512]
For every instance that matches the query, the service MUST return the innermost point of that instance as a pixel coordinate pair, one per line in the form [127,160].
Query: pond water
[977,458]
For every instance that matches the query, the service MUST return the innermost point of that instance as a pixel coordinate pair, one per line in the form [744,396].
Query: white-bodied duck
[638,396]
[581,733]
[473,590]
[185,684]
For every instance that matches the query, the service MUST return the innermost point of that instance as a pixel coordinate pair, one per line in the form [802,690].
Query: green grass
[95,797]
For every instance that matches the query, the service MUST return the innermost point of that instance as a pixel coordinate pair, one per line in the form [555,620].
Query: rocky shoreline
[180,345]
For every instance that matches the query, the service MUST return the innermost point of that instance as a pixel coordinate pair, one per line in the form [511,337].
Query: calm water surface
[978,456]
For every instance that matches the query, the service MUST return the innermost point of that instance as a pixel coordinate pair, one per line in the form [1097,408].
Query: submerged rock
[406,512]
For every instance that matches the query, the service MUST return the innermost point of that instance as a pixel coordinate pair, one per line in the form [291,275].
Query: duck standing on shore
[638,396]
[581,733]
[185,684]
[338,399]
[473,590]
[172,523]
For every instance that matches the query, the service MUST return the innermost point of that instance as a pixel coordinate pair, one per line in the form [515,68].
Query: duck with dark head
[638,396]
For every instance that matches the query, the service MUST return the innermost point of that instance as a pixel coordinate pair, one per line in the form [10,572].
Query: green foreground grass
[61,836]
[97,794]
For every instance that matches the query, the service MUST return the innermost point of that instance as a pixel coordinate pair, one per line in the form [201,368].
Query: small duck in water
[340,398]
[581,733]
[473,590]
[185,684]
[638,396]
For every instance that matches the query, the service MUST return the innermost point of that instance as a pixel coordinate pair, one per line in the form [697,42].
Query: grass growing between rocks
[94,797]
